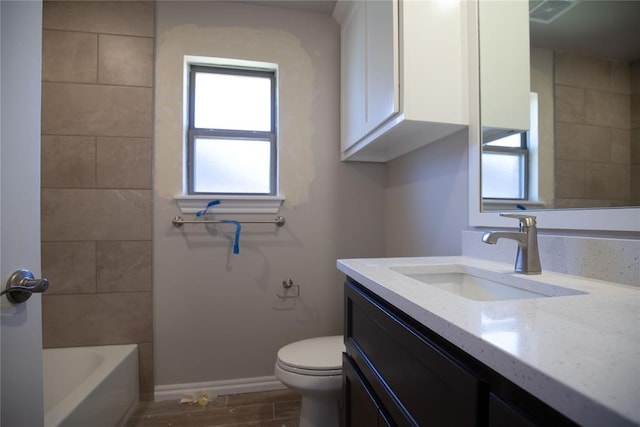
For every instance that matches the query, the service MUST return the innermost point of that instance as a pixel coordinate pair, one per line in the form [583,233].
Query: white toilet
[313,369]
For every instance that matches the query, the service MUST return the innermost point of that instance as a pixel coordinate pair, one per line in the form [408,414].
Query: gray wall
[216,315]
[427,199]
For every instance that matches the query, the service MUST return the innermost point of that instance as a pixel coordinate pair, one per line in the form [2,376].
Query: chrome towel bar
[178,221]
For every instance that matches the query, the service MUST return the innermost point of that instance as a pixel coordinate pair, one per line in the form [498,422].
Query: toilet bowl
[313,369]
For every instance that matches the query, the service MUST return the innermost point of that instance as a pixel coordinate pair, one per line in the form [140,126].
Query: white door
[21,330]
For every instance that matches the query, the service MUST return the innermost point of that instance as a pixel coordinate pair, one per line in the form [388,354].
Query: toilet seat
[314,357]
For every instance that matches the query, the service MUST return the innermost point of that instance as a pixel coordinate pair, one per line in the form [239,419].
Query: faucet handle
[525,220]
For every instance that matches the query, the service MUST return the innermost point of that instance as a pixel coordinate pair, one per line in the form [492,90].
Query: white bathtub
[90,386]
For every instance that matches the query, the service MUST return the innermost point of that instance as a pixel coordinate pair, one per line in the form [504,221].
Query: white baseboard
[217,388]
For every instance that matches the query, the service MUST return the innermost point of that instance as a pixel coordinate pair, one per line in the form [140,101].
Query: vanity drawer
[418,383]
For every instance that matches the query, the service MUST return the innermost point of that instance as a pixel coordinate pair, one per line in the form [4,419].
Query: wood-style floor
[280,408]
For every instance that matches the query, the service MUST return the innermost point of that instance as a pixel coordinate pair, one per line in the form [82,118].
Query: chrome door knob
[21,284]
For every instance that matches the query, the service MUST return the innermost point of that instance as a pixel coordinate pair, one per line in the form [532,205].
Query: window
[232,146]
[510,166]
[505,167]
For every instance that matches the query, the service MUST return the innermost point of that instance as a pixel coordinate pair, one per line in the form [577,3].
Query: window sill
[230,204]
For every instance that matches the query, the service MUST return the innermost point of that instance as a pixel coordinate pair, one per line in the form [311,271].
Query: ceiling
[606,28]
[314,6]
[599,27]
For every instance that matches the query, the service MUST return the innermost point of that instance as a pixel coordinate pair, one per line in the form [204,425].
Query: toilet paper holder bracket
[287,284]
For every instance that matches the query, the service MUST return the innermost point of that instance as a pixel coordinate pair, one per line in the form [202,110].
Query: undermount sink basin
[483,285]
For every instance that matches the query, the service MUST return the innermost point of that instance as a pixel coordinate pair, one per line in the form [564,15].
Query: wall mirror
[558,128]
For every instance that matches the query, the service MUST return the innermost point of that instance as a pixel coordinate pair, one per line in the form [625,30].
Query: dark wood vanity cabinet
[364,409]
[397,372]
[501,414]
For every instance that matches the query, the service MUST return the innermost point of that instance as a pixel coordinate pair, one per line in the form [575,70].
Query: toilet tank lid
[321,353]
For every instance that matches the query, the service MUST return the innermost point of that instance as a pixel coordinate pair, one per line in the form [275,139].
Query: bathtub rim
[65,407]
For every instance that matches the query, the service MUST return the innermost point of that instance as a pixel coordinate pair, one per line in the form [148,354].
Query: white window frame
[230,203]
[195,133]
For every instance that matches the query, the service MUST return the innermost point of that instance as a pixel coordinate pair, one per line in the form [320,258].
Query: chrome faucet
[528,257]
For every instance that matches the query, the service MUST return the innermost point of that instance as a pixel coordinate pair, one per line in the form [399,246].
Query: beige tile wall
[593,131]
[96,175]
[635,133]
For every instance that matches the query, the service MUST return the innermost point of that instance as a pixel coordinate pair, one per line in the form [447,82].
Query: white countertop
[579,354]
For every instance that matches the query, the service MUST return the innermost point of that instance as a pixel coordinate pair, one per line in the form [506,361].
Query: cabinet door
[505,80]
[352,74]
[369,68]
[511,406]
[384,421]
[359,409]
[503,415]
[382,84]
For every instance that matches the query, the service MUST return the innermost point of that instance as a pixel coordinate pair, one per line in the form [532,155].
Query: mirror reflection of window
[505,167]
[509,162]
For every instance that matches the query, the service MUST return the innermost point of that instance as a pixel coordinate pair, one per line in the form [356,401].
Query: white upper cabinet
[403,75]
[504,66]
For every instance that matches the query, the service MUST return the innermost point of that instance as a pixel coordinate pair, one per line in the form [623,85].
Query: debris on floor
[202,399]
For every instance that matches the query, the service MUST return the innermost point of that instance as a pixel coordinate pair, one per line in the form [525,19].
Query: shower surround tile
[145,371]
[72,215]
[69,57]
[607,109]
[607,181]
[70,267]
[568,203]
[635,146]
[583,71]
[569,104]
[620,77]
[621,146]
[96,319]
[81,109]
[571,173]
[96,175]
[123,266]
[594,123]
[125,60]
[582,142]
[112,17]
[68,161]
[635,110]
[124,163]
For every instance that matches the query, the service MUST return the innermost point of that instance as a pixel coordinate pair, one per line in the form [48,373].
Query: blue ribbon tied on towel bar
[209,205]
[236,243]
